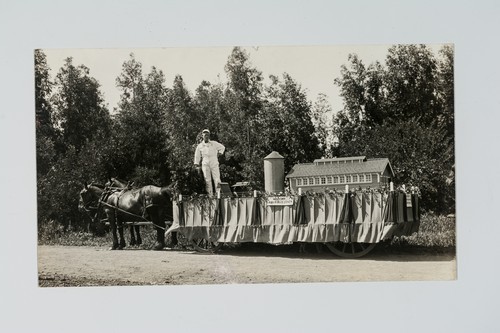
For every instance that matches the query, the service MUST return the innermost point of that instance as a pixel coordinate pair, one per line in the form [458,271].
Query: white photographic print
[264,166]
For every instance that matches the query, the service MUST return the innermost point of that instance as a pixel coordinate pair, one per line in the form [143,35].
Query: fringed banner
[366,217]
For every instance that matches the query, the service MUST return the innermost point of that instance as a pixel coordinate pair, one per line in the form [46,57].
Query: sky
[313,67]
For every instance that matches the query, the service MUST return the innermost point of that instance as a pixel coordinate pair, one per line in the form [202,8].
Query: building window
[323,180]
[305,181]
[361,178]
[317,181]
[348,179]
[369,178]
[299,181]
[335,180]
[341,179]
[329,180]
[355,178]
[311,181]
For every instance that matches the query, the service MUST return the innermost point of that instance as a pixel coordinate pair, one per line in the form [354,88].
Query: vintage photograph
[245,165]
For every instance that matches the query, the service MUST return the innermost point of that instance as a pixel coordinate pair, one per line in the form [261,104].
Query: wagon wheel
[202,245]
[350,250]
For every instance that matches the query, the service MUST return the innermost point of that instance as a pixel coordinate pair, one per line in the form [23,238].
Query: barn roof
[375,165]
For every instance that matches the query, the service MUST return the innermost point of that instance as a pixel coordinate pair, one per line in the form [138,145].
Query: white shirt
[208,152]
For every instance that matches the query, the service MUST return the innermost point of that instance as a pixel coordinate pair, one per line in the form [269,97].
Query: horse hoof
[132,243]
[159,247]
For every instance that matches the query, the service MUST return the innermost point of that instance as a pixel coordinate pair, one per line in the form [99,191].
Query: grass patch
[53,234]
[434,232]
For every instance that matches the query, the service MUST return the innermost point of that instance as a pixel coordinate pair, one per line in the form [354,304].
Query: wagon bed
[350,224]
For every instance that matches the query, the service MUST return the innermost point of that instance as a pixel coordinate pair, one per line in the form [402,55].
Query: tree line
[402,110]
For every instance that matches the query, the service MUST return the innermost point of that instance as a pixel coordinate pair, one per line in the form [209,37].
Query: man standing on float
[208,152]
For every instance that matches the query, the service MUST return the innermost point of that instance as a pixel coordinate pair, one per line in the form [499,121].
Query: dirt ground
[98,266]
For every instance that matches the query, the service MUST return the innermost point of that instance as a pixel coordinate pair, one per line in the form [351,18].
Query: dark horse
[148,203]
[113,185]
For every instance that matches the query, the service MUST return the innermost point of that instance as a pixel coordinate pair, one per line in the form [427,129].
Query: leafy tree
[79,105]
[289,124]
[284,125]
[411,83]
[403,111]
[46,133]
[43,90]
[419,154]
[209,105]
[71,150]
[183,124]
[321,119]
[364,95]
[58,190]
[139,140]
[446,95]
[242,102]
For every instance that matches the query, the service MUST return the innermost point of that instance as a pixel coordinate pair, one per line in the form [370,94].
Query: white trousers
[211,172]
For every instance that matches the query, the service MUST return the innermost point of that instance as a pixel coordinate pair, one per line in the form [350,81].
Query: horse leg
[132,235]
[120,233]
[112,224]
[138,233]
[159,224]
[174,238]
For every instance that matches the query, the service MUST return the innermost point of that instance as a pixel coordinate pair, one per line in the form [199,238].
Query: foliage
[287,125]
[435,231]
[241,102]
[46,133]
[79,106]
[139,137]
[188,181]
[183,123]
[52,234]
[71,153]
[320,112]
[402,111]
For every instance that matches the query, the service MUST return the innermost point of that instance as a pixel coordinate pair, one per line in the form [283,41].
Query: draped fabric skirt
[366,217]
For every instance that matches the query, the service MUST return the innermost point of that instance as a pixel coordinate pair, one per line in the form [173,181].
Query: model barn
[335,173]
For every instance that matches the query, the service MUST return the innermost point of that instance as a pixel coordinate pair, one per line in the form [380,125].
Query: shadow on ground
[382,252]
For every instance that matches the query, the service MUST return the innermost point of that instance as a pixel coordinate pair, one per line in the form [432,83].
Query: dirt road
[97,266]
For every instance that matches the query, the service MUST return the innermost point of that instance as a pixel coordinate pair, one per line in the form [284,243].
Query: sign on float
[279,201]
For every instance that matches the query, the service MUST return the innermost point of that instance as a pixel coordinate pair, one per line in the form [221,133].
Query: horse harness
[147,203]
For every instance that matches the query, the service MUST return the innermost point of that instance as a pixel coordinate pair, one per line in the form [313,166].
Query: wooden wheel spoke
[350,250]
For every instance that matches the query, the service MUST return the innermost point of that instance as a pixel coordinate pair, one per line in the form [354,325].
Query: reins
[132,214]
[110,190]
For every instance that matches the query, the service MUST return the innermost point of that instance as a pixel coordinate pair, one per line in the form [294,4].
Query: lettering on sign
[280,201]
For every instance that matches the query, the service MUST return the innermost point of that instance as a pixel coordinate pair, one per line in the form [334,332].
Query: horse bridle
[88,208]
